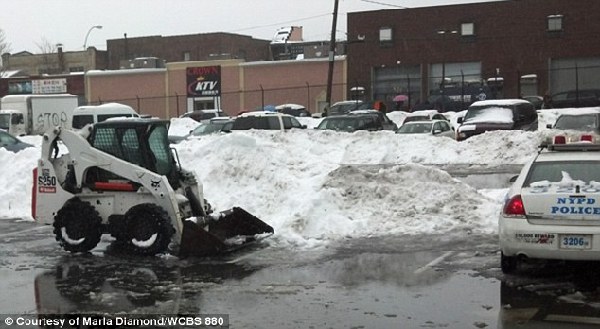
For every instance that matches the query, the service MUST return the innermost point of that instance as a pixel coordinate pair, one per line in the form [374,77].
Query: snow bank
[314,186]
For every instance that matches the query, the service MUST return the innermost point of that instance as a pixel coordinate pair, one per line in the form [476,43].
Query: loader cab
[142,142]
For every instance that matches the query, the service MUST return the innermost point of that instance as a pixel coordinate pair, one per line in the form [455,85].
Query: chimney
[61,58]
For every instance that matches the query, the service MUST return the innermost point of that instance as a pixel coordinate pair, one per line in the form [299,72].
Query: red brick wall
[509,35]
[142,89]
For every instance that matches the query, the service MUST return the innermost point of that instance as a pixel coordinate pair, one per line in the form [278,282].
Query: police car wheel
[508,263]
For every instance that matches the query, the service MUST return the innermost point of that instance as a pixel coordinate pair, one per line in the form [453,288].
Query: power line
[384,4]
[281,23]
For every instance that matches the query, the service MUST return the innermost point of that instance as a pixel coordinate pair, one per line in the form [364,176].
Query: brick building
[169,92]
[192,47]
[525,47]
[47,73]
[55,62]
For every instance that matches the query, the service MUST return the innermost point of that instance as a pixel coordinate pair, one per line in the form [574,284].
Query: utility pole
[331,54]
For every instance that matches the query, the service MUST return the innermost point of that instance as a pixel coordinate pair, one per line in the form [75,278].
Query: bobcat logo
[155,184]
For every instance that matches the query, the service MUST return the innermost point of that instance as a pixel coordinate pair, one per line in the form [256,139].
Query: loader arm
[82,156]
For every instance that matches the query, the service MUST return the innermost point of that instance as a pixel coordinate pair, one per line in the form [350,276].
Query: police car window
[585,171]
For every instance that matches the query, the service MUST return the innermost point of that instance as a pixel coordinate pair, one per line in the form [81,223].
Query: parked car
[351,122]
[386,122]
[499,114]
[537,101]
[580,120]
[11,143]
[88,114]
[293,109]
[551,210]
[214,125]
[203,115]
[266,120]
[345,107]
[424,115]
[429,127]
[211,126]
[574,98]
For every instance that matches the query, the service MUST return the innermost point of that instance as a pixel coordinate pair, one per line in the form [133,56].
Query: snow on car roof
[490,114]
[501,102]
[263,113]
[422,113]
[348,102]
[582,111]
[424,121]
[363,111]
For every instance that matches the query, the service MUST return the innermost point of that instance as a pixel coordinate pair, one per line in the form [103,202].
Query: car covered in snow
[552,210]
[498,114]
[293,109]
[427,127]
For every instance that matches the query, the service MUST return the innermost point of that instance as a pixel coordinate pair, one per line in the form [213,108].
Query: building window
[385,34]
[555,23]
[186,56]
[467,29]
[76,69]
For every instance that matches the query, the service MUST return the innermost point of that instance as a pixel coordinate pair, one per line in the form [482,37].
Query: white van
[84,115]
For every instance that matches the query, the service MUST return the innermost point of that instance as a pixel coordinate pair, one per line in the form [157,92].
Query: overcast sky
[30,23]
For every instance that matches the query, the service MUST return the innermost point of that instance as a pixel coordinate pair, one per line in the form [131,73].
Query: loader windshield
[142,143]
[159,146]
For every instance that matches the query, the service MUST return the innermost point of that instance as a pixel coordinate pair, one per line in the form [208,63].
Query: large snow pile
[314,186]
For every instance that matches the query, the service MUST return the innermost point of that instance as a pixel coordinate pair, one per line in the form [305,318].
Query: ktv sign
[203,81]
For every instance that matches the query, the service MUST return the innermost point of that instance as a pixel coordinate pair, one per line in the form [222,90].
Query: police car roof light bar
[559,139]
[574,147]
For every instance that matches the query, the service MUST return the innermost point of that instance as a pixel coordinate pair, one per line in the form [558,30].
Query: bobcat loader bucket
[219,233]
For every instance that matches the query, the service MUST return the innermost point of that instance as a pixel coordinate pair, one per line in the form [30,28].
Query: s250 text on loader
[120,177]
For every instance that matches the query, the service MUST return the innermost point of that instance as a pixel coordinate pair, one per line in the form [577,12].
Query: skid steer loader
[121,177]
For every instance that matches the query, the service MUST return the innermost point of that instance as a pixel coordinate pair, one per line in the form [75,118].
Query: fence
[463,89]
[311,96]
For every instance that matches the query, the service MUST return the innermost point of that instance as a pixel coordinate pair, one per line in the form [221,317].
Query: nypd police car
[552,211]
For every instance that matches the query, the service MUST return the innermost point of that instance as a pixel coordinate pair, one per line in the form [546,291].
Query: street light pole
[331,54]
[88,34]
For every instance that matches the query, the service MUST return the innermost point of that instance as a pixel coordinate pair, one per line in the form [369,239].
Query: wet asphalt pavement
[443,281]
[450,280]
